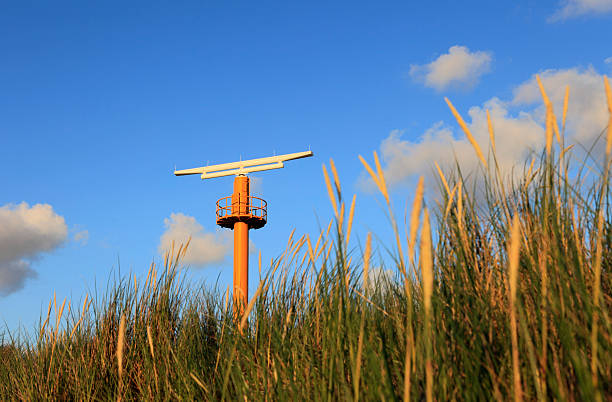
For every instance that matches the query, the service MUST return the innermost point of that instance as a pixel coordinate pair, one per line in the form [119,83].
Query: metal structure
[241,211]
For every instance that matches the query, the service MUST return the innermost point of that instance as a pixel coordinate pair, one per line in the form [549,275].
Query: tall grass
[500,294]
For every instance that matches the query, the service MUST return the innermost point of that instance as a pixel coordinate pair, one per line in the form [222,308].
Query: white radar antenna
[243,167]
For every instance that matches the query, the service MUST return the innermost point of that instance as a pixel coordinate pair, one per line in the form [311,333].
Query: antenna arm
[242,167]
[277,165]
[186,172]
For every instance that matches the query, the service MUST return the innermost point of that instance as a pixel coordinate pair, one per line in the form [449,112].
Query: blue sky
[99,103]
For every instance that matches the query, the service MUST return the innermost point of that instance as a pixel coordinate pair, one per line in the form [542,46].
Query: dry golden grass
[513,256]
[427,277]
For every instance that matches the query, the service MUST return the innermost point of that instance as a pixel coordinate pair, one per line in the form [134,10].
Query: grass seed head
[330,191]
[120,345]
[609,99]
[565,105]
[491,133]
[426,262]
[414,215]
[467,132]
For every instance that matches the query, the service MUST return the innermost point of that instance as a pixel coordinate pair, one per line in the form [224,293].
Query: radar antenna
[241,211]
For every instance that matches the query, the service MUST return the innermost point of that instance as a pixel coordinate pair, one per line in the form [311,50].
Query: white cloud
[81,237]
[608,61]
[575,8]
[458,67]
[518,124]
[205,247]
[13,275]
[25,233]
[379,279]
[587,113]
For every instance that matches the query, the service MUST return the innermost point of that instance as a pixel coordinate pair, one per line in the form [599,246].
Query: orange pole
[240,201]
[241,265]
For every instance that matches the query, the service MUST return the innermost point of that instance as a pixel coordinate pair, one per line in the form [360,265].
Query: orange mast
[241,212]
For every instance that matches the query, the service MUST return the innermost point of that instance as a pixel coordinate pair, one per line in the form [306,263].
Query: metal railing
[254,206]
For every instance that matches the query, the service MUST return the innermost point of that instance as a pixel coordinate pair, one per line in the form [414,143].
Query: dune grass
[502,292]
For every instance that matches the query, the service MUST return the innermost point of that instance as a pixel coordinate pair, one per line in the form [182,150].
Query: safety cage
[254,211]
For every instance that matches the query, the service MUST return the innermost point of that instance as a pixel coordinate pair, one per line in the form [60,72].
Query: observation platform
[249,209]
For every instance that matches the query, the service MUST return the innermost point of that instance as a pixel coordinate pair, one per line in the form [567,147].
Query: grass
[502,292]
